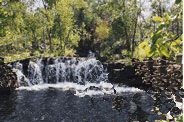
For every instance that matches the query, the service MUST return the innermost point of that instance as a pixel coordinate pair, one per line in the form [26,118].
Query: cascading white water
[22,79]
[74,70]
[35,74]
[85,76]
[91,54]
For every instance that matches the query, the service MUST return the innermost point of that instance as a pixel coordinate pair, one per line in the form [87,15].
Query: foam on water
[101,88]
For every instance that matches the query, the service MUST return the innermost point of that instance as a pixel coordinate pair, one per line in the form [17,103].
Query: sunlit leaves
[143,44]
[147,48]
[163,41]
[148,51]
[182,37]
[103,31]
[157,19]
[164,51]
[51,3]
[180,15]
[65,12]
[80,4]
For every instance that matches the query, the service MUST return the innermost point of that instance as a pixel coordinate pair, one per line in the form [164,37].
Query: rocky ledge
[158,74]
[8,78]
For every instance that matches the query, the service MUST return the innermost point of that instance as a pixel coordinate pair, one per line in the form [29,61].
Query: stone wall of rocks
[165,78]
[8,78]
[157,74]
[161,78]
[161,74]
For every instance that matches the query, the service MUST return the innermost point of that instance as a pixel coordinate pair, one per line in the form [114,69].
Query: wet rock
[175,111]
[161,74]
[117,103]
[143,101]
[180,93]
[164,109]
[93,88]
[51,61]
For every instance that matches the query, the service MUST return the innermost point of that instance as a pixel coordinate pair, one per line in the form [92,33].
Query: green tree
[164,41]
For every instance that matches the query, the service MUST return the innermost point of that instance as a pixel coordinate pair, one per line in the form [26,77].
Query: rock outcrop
[161,78]
[121,72]
[159,74]
[8,78]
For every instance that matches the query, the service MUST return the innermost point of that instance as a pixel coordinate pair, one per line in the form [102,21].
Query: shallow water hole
[55,104]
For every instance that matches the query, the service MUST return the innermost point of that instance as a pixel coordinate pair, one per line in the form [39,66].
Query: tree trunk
[66,40]
[178,34]
[127,39]
[160,8]
[60,37]
[141,32]
[50,38]
[135,28]
[133,39]
[34,42]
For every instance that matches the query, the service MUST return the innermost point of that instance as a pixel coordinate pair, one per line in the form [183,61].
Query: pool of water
[78,90]
[56,104]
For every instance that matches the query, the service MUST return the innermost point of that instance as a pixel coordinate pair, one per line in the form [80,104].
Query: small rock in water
[175,111]
[92,88]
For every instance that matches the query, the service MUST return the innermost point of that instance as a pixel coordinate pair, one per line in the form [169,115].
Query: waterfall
[91,54]
[52,71]
[86,76]
[22,79]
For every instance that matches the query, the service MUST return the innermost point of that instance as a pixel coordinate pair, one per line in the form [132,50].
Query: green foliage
[115,26]
[51,28]
[69,52]
[180,118]
[139,53]
[158,19]
[103,31]
[164,42]
[178,1]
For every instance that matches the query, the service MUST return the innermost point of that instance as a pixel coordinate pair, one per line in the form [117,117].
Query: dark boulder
[120,72]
